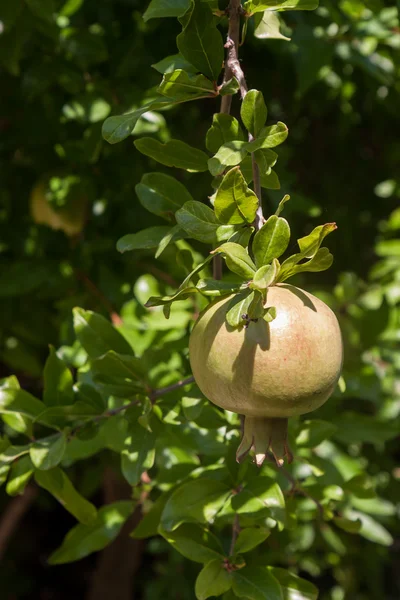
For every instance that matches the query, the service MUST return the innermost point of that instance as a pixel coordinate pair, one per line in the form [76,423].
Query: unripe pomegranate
[268,371]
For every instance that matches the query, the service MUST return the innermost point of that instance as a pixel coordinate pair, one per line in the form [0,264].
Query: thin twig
[302,491]
[152,395]
[13,514]
[235,533]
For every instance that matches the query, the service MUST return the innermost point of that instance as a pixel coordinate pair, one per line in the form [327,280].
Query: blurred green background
[66,66]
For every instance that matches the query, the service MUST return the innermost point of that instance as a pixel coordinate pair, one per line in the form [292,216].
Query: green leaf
[148,238]
[255,6]
[265,159]
[229,88]
[270,181]
[20,473]
[195,543]
[48,452]
[83,540]
[166,8]
[181,294]
[138,454]
[360,486]
[117,128]
[201,43]
[258,496]
[235,203]
[269,137]
[256,583]
[97,335]
[197,501]
[199,221]
[281,205]
[15,400]
[322,260]
[58,381]
[213,580]
[238,308]
[172,63]
[228,155]
[180,85]
[173,154]
[115,368]
[268,26]
[59,485]
[242,236]
[237,259]
[10,453]
[162,194]
[175,233]
[349,525]
[224,129]
[216,289]
[312,433]
[254,112]
[372,530]
[251,537]
[310,244]
[294,587]
[265,276]
[271,240]
[148,526]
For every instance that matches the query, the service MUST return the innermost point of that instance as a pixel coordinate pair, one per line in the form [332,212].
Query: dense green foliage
[330,518]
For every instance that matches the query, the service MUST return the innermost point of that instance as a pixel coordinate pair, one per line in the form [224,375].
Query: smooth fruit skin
[280,369]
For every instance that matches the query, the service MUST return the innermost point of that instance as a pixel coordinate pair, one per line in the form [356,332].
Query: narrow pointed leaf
[180,85]
[173,154]
[149,238]
[83,540]
[59,485]
[281,205]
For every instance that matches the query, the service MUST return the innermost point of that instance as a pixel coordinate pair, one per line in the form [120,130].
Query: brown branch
[234,10]
[13,515]
[233,68]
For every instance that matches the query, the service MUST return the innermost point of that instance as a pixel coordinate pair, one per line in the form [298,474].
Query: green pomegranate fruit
[268,372]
